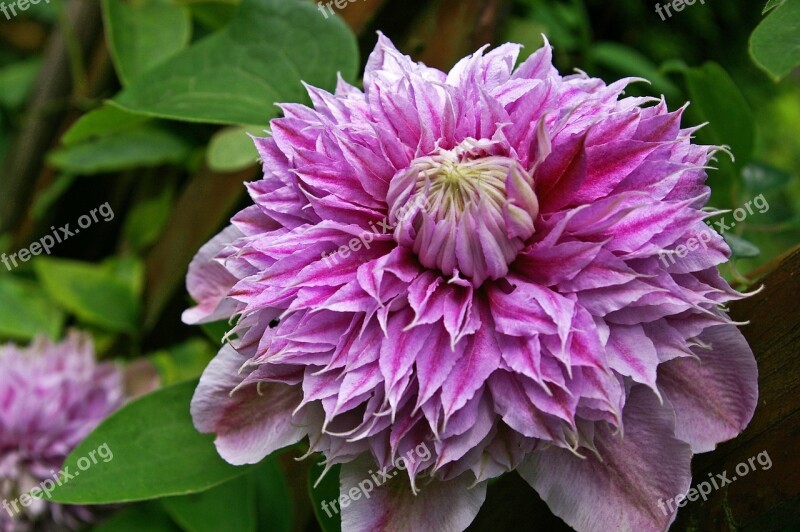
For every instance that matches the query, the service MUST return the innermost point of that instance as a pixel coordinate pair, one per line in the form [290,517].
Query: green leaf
[100,123]
[235,76]
[760,177]
[96,294]
[772,4]
[326,491]
[149,516]
[16,80]
[629,62]
[274,505]
[740,247]
[25,310]
[183,362]
[147,220]
[231,149]
[229,506]
[156,453]
[565,23]
[212,15]
[144,146]
[47,199]
[775,43]
[718,101]
[144,33]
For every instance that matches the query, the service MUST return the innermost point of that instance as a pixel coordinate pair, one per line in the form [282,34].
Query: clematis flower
[482,262]
[51,397]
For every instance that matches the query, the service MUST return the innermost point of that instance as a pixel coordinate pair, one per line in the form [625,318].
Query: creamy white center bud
[467,210]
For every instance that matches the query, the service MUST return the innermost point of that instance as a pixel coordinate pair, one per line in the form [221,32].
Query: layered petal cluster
[479,265]
[51,396]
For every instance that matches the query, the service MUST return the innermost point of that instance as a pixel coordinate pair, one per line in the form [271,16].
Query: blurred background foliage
[148,104]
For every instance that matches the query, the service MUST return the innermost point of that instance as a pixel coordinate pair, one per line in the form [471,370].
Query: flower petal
[441,506]
[620,490]
[714,398]
[250,423]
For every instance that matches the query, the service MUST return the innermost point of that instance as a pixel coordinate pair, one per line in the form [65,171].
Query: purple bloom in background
[469,261]
[51,397]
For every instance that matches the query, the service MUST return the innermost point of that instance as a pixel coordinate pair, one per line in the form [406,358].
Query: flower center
[467,210]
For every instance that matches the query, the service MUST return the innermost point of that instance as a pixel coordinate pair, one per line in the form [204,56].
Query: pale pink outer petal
[250,424]
[440,506]
[621,492]
[209,282]
[714,398]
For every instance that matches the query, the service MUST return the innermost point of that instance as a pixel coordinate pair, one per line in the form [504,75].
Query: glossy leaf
[25,310]
[274,506]
[156,453]
[235,76]
[144,33]
[718,101]
[740,247]
[149,516]
[101,122]
[147,219]
[183,362]
[15,82]
[144,146]
[229,506]
[775,43]
[94,293]
[232,149]
[324,496]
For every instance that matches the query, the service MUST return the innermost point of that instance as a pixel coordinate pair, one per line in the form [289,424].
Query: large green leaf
[146,145]
[740,247]
[103,295]
[775,43]
[274,506]
[25,310]
[720,102]
[183,362]
[627,61]
[229,506]
[235,76]
[144,33]
[231,149]
[15,82]
[101,122]
[325,492]
[156,453]
[149,516]
[147,219]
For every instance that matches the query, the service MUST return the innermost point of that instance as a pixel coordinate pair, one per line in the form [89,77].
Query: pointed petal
[249,425]
[448,506]
[621,492]
[714,398]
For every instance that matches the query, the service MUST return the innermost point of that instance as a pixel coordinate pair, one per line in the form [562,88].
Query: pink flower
[51,397]
[472,261]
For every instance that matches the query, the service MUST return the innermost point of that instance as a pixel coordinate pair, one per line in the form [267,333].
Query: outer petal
[714,399]
[440,506]
[209,281]
[622,491]
[249,425]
